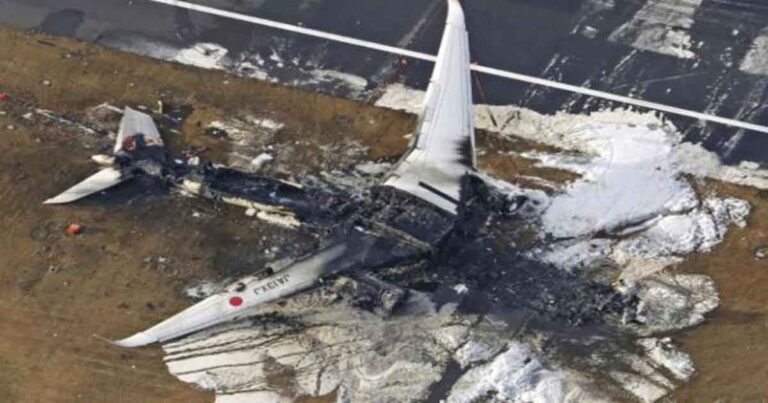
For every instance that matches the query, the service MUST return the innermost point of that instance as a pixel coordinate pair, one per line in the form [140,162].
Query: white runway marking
[481,69]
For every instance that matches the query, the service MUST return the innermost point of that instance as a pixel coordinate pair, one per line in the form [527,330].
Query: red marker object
[235,301]
[74,229]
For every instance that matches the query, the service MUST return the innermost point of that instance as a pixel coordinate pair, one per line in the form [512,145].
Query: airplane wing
[444,150]
[136,123]
[102,180]
[235,301]
[350,249]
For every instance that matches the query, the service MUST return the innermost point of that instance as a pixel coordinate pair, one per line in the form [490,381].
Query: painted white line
[622,99]
[481,69]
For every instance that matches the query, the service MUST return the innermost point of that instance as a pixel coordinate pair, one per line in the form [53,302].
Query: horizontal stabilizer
[102,180]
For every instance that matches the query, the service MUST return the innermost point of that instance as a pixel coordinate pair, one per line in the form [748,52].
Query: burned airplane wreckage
[432,225]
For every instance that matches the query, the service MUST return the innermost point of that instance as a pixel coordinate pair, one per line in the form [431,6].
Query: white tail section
[444,149]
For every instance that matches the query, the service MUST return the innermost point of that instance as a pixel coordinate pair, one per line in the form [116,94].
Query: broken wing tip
[62,198]
[55,200]
[137,340]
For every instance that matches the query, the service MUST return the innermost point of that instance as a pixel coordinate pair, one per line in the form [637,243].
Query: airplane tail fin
[102,180]
[444,150]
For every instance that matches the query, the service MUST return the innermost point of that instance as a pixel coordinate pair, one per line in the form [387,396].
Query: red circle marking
[235,301]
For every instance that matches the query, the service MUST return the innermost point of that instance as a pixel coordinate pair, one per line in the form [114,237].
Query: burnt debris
[482,247]
[411,244]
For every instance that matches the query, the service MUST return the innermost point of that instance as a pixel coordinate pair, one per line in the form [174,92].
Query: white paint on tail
[444,150]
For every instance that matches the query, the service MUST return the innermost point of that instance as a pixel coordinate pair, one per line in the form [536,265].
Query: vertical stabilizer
[444,149]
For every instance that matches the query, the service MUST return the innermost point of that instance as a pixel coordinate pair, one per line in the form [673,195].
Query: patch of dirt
[730,350]
[70,76]
[58,291]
